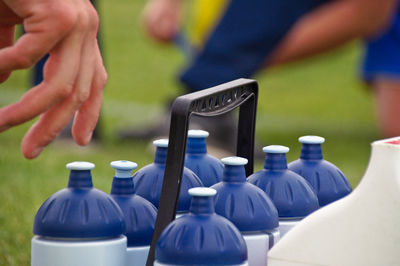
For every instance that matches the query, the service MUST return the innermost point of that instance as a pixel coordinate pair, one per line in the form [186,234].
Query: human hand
[162,18]
[74,75]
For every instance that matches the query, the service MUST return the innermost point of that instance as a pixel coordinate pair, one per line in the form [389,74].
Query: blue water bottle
[201,237]
[140,214]
[328,181]
[79,225]
[149,179]
[208,168]
[291,194]
[248,208]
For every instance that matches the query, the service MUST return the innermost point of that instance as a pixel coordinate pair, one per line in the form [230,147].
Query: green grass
[320,96]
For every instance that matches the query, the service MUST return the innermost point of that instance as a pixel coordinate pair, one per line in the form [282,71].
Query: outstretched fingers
[59,115]
[46,129]
[74,75]
[44,30]
[88,114]
[60,74]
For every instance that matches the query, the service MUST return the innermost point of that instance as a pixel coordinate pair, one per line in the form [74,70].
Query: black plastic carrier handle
[214,101]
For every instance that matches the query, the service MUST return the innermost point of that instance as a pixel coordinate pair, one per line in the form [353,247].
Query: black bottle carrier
[242,93]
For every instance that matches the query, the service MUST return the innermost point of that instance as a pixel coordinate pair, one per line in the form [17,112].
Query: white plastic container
[291,194]
[61,252]
[286,225]
[79,225]
[258,245]
[248,208]
[140,214]
[156,263]
[201,237]
[360,229]
[137,256]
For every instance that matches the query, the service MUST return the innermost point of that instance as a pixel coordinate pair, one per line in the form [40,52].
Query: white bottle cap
[123,169]
[197,133]
[311,140]
[276,149]
[234,160]
[202,192]
[80,166]
[161,143]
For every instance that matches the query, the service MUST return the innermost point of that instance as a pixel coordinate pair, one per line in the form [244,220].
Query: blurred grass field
[321,96]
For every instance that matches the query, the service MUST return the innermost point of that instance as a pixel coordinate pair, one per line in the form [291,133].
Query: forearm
[332,25]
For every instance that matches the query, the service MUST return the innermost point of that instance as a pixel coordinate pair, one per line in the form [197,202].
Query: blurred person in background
[74,74]
[249,36]
[254,35]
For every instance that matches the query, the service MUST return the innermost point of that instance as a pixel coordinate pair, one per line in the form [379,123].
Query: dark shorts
[382,53]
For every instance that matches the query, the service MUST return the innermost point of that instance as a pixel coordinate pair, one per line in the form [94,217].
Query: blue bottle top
[208,168]
[79,211]
[149,179]
[140,214]
[329,183]
[245,205]
[290,193]
[201,237]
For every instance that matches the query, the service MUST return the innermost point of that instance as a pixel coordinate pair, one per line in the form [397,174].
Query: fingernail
[88,138]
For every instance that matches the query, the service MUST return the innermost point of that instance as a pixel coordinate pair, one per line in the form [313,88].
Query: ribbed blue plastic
[201,238]
[140,214]
[290,193]
[79,211]
[208,168]
[329,183]
[245,205]
[148,181]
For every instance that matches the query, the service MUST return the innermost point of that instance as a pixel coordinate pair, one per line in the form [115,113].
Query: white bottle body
[156,263]
[137,256]
[286,225]
[258,246]
[57,252]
